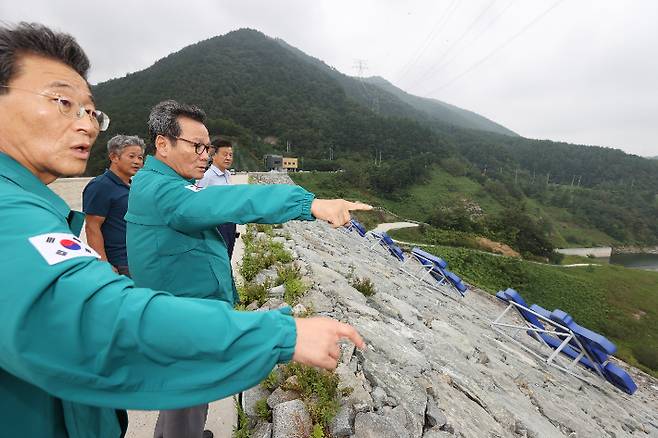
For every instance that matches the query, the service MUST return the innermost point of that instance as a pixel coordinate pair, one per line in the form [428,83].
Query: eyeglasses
[67,106]
[199,148]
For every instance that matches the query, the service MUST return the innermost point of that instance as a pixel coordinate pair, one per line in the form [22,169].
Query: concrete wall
[604,251]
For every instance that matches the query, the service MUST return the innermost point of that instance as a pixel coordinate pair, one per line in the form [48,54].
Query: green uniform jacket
[172,239]
[76,339]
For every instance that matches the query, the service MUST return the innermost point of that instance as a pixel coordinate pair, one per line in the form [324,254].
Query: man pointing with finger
[172,239]
[78,341]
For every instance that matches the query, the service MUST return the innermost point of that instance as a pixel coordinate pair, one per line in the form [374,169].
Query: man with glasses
[77,340]
[171,234]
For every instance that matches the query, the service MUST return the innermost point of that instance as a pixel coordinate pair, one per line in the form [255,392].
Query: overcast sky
[581,71]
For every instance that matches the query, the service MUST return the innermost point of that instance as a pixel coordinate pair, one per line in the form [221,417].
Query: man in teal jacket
[172,236]
[76,339]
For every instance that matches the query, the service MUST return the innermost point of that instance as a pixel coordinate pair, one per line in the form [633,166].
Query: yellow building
[290,164]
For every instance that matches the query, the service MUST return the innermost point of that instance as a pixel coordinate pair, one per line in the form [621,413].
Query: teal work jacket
[171,236]
[78,340]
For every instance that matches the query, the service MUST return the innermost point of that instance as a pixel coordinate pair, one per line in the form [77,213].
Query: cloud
[584,73]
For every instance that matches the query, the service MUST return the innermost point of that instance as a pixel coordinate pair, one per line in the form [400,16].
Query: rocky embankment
[433,367]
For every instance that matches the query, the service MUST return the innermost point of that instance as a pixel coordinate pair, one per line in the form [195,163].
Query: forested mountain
[253,87]
[384,98]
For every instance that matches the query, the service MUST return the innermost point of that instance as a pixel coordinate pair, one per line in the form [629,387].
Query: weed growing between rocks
[263,410]
[287,273]
[241,430]
[291,278]
[318,431]
[261,253]
[363,285]
[250,292]
[318,389]
[271,381]
[295,288]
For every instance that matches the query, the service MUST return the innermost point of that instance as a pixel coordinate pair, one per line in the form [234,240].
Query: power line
[436,30]
[361,66]
[497,49]
[446,62]
[458,40]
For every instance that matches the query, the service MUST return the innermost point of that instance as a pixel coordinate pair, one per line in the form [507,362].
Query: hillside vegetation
[388,142]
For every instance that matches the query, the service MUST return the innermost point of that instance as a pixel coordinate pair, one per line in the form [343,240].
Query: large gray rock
[269,274]
[273,303]
[379,397]
[262,430]
[358,393]
[279,396]
[251,396]
[341,425]
[412,423]
[277,291]
[317,301]
[291,420]
[436,433]
[433,415]
[371,425]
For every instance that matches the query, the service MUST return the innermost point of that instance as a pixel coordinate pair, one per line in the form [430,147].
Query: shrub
[260,254]
[271,381]
[318,431]
[319,390]
[263,410]
[295,288]
[364,285]
[250,292]
[287,273]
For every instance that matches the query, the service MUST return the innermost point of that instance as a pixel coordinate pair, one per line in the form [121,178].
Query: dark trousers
[228,233]
[181,423]
[122,415]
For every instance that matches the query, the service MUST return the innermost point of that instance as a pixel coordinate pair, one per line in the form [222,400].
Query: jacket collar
[19,175]
[158,166]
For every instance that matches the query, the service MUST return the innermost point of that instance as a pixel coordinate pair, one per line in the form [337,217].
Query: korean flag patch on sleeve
[58,247]
[194,188]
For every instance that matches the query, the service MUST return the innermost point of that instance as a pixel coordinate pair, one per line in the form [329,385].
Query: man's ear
[114,158]
[162,146]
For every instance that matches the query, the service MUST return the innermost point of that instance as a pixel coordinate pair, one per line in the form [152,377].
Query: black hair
[34,38]
[163,119]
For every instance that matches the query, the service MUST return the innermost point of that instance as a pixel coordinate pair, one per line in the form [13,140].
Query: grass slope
[443,189]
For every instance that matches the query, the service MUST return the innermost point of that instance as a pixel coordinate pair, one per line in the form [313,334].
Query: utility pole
[548,177]
[360,65]
[516,175]
[572,180]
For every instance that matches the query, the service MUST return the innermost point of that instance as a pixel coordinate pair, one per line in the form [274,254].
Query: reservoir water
[637,261]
